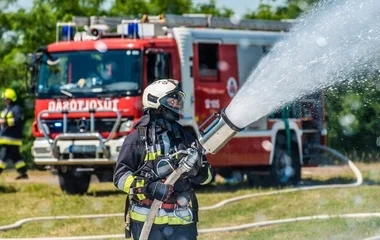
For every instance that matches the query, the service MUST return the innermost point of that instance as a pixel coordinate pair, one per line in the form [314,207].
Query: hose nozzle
[218,132]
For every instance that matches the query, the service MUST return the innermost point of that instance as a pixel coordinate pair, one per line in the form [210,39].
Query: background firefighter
[143,165]
[11,132]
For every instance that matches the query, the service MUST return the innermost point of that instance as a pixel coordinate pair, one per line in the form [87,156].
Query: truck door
[161,63]
[158,65]
[215,77]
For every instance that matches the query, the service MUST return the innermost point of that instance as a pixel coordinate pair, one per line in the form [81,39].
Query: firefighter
[11,122]
[143,165]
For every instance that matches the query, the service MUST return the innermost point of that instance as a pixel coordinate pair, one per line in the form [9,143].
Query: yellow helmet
[9,94]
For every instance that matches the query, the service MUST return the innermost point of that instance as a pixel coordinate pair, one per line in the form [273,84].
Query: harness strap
[153,135]
[142,133]
[194,205]
[164,205]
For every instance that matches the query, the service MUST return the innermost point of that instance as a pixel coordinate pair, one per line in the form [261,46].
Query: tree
[63,10]
[170,6]
[23,31]
[211,8]
[133,8]
[293,9]
[353,112]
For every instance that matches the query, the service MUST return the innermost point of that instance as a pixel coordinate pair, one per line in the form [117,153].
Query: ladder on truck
[167,21]
[196,20]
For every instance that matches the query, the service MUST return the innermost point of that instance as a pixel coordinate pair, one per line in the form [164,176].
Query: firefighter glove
[187,163]
[159,191]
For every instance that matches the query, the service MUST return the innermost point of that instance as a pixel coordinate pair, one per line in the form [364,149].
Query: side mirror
[31,61]
[37,56]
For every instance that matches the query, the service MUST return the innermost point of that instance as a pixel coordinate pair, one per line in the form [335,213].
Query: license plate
[82,149]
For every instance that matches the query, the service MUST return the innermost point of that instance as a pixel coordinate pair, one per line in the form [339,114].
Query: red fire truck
[88,87]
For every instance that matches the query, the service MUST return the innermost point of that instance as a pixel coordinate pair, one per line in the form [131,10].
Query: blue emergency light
[133,30]
[58,124]
[67,33]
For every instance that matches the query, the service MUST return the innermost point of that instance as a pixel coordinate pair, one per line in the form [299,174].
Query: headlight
[126,126]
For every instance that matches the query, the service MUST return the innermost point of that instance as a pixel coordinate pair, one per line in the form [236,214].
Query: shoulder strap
[142,132]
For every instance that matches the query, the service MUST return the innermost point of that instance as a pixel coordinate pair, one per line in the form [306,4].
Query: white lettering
[100,104]
[58,107]
[66,105]
[207,103]
[80,104]
[114,103]
[107,104]
[215,103]
[73,105]
[93,104]
[84,105]
[51,106]
[212,103]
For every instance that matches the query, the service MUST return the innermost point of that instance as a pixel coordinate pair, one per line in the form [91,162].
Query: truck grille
[66,156]
[75,126]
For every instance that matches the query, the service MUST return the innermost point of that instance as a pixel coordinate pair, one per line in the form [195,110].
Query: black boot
[22,176]
[22,173]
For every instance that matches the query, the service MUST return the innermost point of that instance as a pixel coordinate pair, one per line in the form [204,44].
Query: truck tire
[285,170]
[256,179]
[105,176]
[74,182]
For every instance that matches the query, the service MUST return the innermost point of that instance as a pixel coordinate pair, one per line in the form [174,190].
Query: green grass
[22,200]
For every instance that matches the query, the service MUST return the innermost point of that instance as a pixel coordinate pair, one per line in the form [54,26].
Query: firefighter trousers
[165,231]
[12,152]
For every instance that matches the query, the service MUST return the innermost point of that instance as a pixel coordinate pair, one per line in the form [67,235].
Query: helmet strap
[169,114]
[163,112]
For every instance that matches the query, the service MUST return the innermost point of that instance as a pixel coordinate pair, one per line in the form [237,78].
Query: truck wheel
[285,169]
[106,176]
[74,182]
[256,179]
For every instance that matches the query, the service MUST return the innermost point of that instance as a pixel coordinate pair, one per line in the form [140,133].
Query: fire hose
[373,238]
[351,165]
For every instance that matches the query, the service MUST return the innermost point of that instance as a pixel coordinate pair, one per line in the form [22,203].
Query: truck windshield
[91,73]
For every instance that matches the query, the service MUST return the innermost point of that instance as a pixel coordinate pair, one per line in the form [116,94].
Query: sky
[240,7]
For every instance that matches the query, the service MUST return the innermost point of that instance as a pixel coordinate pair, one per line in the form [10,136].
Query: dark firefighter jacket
[12,130]
[130,160]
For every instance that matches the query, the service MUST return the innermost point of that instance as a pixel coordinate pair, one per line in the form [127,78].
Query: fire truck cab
[88,87]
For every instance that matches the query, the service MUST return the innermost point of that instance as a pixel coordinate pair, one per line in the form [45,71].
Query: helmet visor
[173,101]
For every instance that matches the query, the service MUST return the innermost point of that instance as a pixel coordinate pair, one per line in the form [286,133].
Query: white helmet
[166,93]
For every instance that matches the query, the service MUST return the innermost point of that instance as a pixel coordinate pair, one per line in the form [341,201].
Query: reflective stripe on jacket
[140,213]
[12,130]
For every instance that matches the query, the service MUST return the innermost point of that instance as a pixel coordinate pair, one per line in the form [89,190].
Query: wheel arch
[279,129]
